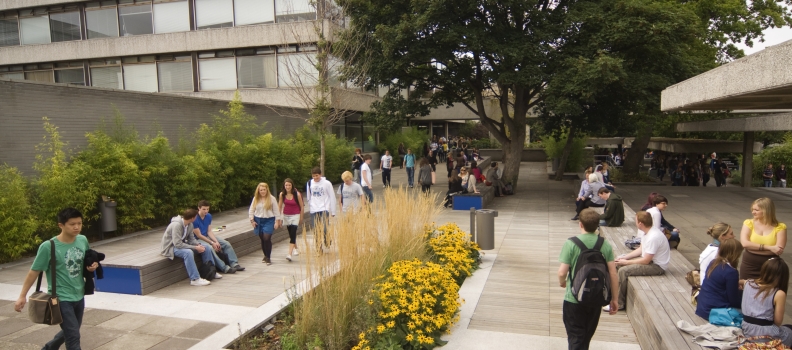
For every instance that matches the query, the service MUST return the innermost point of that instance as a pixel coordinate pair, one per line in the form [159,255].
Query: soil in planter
[272,339]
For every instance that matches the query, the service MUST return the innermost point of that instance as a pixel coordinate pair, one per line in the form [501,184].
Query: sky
[773,36]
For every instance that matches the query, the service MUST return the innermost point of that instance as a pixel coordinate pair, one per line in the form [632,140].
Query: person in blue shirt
[409,163]
[723,287]
[202,229]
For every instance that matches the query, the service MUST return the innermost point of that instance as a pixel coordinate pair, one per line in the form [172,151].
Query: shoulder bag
[44,308]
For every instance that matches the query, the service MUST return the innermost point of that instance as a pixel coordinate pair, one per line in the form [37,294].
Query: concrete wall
[77,110]
[15,4]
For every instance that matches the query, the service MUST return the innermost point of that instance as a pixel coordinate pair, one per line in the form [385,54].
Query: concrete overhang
[606,142]
[19,4]
[772,122]
[272,34]
[698,146]
[759,81]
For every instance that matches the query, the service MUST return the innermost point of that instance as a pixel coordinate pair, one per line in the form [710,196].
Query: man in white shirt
[321,201]
[385,165]
[660,204]
[365,177]
[650,259]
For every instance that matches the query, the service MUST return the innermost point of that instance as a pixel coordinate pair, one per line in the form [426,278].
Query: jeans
[369,195]
[580,322]
[72,313]
[410,175]
[386,176]
[603,223]
[651,269]
[323,216]
[356,176]
[768,183]
[189,260]
[227,249]
[586,204]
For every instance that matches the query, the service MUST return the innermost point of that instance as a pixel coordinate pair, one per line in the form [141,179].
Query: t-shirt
[203,224]
[706,257]
[569,255]
[409,160]
[386,162]
[68,267]
[350,196]
[655,242]
[365,168]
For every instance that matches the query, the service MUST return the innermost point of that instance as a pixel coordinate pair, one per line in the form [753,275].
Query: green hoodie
[614,211]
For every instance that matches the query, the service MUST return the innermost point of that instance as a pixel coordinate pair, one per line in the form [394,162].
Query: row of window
[116,18]
[222,70]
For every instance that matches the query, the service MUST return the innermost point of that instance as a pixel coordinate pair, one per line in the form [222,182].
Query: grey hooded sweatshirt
[177,235]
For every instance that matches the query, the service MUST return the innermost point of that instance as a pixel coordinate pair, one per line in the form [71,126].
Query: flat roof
[770,122]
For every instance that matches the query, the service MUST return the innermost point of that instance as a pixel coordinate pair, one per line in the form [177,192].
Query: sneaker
[267,261]
[264,260]
[575,218]
[295,252]
[218,276]
[200,282]
[606,308]
[288,257]
[239,268]
[230,270]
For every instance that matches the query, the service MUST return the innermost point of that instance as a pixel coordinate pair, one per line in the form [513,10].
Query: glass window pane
[18,76]
[9,32]
[43,76]
[70,76]
[214,13]
[254,11]
[107,77]
[141,77]
[35,30]
[294,10]
[135,20]
[65,26]
[102,23]
[175,76]
[171,17]
[297,70]
[217,74]
[257,71]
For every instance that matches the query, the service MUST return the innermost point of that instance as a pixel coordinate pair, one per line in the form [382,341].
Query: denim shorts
[264,225]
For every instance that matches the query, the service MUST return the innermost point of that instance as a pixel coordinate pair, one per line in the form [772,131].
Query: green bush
[781,154]
[17,223]
[412,139]
[554,148]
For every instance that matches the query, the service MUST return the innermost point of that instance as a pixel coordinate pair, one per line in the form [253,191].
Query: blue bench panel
[120,280]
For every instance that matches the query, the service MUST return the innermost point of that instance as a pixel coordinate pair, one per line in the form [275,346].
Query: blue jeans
[410,175]
[369,195]
[227,249]
[72,313]
[768,183]
[189,261]
[324,216]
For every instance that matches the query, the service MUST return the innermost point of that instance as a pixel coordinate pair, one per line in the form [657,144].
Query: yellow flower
[380,329]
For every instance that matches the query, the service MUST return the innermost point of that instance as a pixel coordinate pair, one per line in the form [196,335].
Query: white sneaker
[218,276]
[295,252]
[200,282]
[288,257]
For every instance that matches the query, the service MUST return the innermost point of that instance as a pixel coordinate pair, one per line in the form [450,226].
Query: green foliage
[485,143]
[554,148]
[474,130]
[777,155]
[17,223]
[412,139]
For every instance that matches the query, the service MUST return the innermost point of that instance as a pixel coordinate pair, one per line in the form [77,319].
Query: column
[747,165]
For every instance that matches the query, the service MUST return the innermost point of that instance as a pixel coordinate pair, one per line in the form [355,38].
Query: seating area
[143,271]
[656,303]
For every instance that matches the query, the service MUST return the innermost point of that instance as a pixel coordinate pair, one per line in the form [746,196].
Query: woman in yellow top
[763,237]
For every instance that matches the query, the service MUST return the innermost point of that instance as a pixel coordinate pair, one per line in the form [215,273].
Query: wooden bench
[143,271]
[656,303]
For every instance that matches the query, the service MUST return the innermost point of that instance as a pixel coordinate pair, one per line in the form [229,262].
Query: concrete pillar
[747,165]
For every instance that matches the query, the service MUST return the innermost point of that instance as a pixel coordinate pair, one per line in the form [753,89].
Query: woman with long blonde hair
[762,236]
[764,301]
[262,213]
[719,232]
[723,287]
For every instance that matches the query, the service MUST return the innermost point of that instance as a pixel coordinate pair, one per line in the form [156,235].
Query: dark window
[65,26]
[135,20]
[70,76]
[102,23]
[9,32]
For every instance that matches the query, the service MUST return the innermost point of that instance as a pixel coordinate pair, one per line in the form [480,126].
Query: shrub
[17,223]
[554,148]
[413,139]
[781,154]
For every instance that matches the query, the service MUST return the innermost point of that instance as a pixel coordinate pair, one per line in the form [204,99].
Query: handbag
[632,243]
[729,317]
[761,343]
[44,308]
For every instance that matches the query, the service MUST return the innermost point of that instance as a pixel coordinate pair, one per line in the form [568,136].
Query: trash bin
[485,228]
[107,208]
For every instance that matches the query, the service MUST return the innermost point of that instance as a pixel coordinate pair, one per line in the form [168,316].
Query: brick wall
[77,110]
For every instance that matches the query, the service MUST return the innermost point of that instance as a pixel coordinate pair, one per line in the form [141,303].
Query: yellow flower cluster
[453,249]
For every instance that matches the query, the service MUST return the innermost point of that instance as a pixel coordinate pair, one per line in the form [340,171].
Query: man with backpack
[586,261]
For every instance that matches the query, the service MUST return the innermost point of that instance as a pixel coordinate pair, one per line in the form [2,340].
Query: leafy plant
[413,139]
[17,223]
[554,148]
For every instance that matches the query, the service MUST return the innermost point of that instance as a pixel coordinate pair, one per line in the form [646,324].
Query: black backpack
[591,284]
[206,271]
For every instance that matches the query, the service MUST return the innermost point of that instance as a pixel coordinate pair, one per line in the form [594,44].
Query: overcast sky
[773,36]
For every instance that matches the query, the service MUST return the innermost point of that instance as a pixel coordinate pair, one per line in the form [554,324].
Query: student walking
[357,162]
[351,195]
[409,162]
[70,249]
[366,178]
[290,210]
[426,175]
[262,215]
[321,204]
[386,162]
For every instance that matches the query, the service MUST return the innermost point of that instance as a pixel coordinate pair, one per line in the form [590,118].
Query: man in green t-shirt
[581,321]
[70,248]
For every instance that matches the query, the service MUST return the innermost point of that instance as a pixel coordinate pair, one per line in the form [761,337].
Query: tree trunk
[634,159]
[559,175]
[512,156]
[322,153]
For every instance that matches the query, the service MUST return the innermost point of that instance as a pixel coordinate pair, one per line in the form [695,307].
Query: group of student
[779,175]
[685,171]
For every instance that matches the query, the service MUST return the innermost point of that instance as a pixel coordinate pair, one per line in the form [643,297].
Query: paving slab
[175,344]
[93,317]
[127,322]
[201,330]
[133,341]
[166,326]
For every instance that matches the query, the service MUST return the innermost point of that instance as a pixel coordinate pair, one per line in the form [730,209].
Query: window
[214,13]
[297,70]
[294,10]
[9,32]
[15,75]
[43,76]
[171,17]
[254,11]
[70,76]
[257,71]
[102,23]
[35,30]
[175,76]
[107,77]
[65,26]
[135,20]
[140,77]
[217,74]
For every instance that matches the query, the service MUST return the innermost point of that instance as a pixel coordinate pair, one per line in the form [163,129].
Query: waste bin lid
[487,211]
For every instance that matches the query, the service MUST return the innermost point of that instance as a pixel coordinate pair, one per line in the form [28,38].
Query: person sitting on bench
[203,231]
[590,198]
[180,241]
[614,208]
